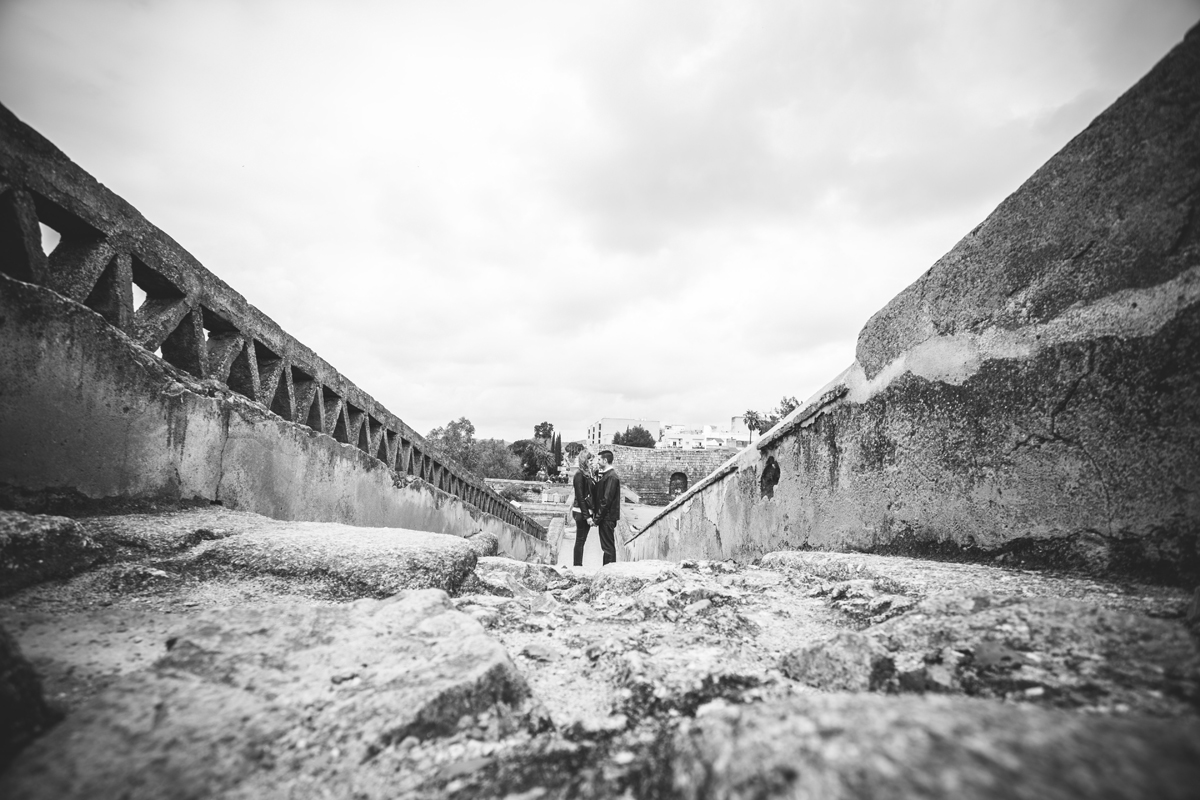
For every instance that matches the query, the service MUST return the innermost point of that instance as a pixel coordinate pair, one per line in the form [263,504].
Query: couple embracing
[597,502]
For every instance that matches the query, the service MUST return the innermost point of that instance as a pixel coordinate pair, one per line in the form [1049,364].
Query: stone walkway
[203,657]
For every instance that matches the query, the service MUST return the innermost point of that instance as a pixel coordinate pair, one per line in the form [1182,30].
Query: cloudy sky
[528,211]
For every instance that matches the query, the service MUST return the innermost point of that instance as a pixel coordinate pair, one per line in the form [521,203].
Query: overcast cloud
[529,211]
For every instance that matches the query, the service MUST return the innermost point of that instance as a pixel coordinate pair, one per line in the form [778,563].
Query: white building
[602,431]
[703,437]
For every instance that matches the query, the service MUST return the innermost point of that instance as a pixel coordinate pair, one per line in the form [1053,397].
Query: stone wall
[1034,397]
[649,470]
[194,395]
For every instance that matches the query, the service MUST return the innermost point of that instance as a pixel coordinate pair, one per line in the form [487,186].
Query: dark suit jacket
[608,497]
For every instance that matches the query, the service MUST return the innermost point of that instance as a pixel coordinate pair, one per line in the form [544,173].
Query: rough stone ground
[220,654]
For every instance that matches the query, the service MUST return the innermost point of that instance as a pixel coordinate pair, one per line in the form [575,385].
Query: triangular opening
[241,375]
[214,323]
[387,446]
[281,403]
[221,341]
[314,420]
[63,222]
[153,282]
[184,347]
[373,426]
[50,238]
[272,377]
[62,232]
[151,290]
[268,361]
[339,429]
[105,297]
[364,439]
[354,427]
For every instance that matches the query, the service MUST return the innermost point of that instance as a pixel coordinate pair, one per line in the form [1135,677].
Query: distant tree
[573,449]
[489,458]
[556,451]
[637,436]
[495,460]
[754,420]
[457,441]
[534,456]
[543,430]
[787,405]
[764,421]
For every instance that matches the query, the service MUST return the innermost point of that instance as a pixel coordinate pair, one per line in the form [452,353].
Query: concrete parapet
[192,330]
[1033,398]
[118,426]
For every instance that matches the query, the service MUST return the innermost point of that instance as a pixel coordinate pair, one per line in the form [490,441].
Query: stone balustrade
[190,318]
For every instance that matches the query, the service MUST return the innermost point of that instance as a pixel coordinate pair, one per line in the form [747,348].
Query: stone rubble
[835,746]
[36,548]
[224,655]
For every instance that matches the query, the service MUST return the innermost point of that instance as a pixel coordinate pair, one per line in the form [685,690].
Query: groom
[607,505]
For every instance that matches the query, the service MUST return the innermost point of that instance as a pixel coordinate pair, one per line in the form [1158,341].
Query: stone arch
[679,484]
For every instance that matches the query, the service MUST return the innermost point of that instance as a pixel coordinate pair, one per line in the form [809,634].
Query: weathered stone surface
[1113,210]
[126,578]
[1032,399]
[850,661]
[611,679]
[35,548]
[825,574]
[23,710]
[170,532]
[497,575]
[346,561]
[854,746]
[484,544]
[356,562]
[243,692]
[150,735]
[1049,651]
[623,578]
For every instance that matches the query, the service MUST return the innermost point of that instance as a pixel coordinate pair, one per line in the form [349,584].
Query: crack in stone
[1036,439]
[225,414]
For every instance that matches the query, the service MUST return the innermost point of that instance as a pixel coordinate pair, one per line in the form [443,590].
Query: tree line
[523,459]
[496,458]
